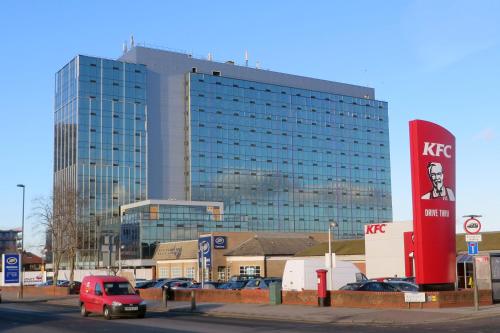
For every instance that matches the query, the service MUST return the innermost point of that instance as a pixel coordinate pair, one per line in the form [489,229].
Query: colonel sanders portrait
[439,191]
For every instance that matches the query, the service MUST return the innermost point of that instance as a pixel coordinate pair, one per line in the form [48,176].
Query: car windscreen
[118,288]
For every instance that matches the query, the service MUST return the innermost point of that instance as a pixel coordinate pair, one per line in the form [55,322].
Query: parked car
[165,282]
[50,282]
[206,285]
[111,296]
[394,278]
[370,286]
[180,285]
[140,280]
[234,285]
[261,283]
[243,277]
[352,286]
[145,284]
[74,287]
[404,286]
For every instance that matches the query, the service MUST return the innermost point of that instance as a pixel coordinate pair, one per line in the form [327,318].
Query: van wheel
[83,310]
[107,312]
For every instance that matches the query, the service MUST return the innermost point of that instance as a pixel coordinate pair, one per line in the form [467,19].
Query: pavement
[298,313]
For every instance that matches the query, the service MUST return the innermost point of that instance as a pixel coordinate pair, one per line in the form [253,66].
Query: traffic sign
[472,248]
[474,238]
[472,226]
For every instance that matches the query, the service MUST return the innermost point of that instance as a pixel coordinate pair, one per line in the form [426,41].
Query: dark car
[352,286]
[370,286]
[145,284]
[50,282]
[404,286]
[162,282]
[243,277]
[234,285]
[180,284]
[206,285]
[74,287]
[394,278]
[261,283]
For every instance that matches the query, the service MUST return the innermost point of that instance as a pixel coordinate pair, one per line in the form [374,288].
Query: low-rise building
[259,253]
[9,240]
[265,256]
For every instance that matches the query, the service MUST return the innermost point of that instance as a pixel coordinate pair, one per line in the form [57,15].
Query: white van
[300,274]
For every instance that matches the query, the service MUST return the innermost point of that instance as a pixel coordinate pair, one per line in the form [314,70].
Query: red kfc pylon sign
[433,191]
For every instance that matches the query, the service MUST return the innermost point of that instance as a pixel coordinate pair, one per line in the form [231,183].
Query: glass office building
[100,143]
[288,159]
[278,152]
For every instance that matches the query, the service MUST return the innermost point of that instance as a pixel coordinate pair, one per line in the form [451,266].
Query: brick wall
[224,296]
[441,299]
[363,299]
[341,298]
[155,294]
[31,291]
[307,297]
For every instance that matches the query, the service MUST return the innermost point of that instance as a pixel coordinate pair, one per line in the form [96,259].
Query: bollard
[165,297]
[193,300]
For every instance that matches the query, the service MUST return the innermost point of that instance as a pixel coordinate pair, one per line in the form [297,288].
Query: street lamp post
[20,294]
[330,268]
[120,247]
[120,257]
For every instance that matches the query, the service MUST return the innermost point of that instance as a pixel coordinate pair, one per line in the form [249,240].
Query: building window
[176,272]
[221,273]
[250,270]
[163,272]
[189,272]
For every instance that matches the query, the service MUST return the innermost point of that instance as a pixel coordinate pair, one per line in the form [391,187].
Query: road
[40,317]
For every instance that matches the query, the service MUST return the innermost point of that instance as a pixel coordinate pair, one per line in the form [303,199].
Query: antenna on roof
[246,58]
[132,43]
[125,47]
[257,64]
[209,56]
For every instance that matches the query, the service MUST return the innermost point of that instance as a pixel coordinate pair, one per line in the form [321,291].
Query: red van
[111,296]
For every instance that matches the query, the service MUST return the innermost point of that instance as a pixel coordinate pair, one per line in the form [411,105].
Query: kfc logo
[374,228]
[435,149]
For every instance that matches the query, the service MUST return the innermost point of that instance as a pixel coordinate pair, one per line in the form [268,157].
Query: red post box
[321,286]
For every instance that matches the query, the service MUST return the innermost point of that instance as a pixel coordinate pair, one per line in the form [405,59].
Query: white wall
[142,273]
[384,249]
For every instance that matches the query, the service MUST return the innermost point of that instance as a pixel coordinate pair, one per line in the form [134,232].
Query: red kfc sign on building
[433,186]
[375,228]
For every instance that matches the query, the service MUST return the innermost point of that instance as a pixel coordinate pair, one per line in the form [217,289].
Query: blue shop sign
[12,265]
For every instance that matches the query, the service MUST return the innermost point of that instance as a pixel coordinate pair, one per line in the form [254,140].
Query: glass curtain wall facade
[146,226]
[100,143]
[287,159]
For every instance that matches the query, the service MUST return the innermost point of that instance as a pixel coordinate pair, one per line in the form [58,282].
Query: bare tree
[65,207]
[58,216]
[44,213]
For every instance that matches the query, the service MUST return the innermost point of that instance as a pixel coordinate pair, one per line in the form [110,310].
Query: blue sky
[432,60]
